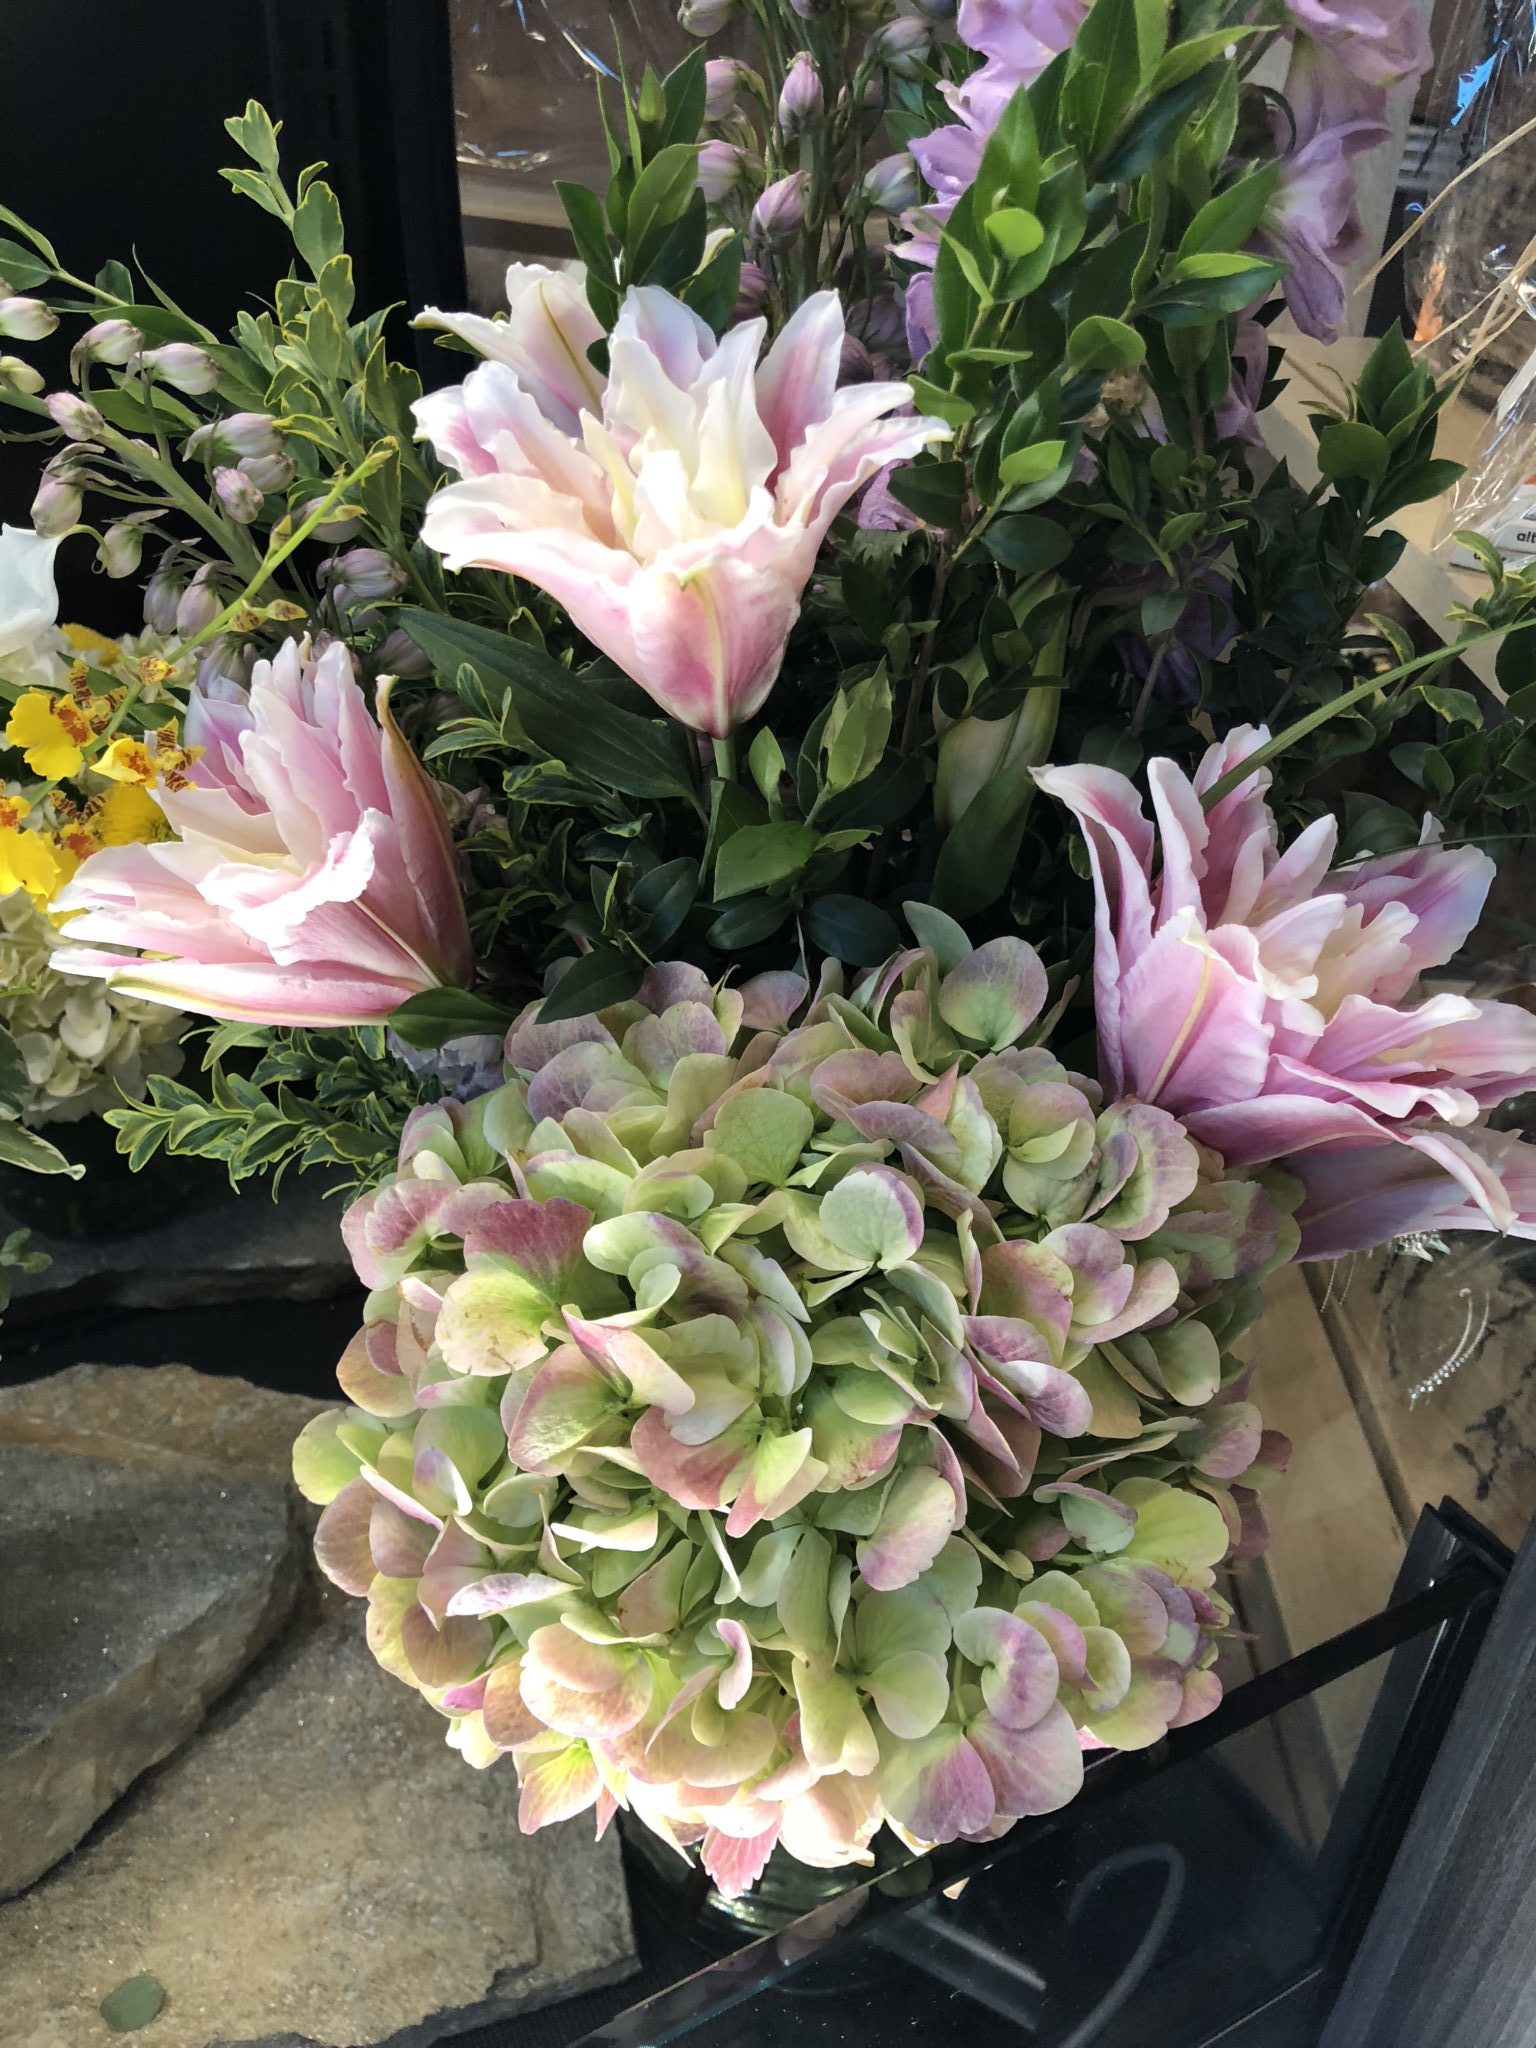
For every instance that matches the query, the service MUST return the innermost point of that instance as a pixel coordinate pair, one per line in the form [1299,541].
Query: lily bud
[973,750]
[399,656]
[121,548]
[900,47]
[802,103]
[752,292]
[182,365]
[269,472]
[199,606]
[76,415]
[15,375]
[162,593]
[242,433]
[780,214]
[113,342]
[706,17]
[56,508]
[891,185]
[361,577]
[722,168]
[238,495]
[855,365]
[26,319]
[726,81]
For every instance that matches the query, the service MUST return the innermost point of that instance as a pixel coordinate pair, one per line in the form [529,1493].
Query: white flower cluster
[85,1045]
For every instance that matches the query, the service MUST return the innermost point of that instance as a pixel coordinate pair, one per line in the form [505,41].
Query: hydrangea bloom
[1259,995]
[778,1428]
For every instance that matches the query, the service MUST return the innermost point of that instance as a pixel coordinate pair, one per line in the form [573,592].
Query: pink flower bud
[182,365]
[752,293]
[399,656]
[269,472]
[26,319]
[892,184]
[109,341]
[900,47]
[722,167]
[726,80]
[121,547]
[199,605]
[241,433]
[780,214]
[333,530]
[855,364]
[238,495]
[76,415]
[802,103]
[56,508]
[705,17]
[161,596]
[15,375]
[362,576]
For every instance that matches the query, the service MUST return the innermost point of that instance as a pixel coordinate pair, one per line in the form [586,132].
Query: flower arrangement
[667,814]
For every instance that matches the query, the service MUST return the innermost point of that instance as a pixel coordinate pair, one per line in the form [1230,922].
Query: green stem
[1273,748]
[278,552]
[725,758]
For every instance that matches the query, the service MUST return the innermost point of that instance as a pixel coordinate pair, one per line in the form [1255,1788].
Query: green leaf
[594,982]
[256,133]
[317,232]
[1227,221]
[134,2003]
[935,491]
[1100,343]
[664,898]
[20,268]
[661,195]
[24,1148]
[438,1014]
[849,929]
[1349,448]
[1026,543]
[759,855]
[977,859]
[1031,465]
[559,714]
[1016,231]
[948,406]
[13,1073]
[684,91]
[766,764]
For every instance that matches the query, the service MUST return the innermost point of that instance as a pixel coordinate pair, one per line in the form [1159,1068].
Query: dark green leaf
[849,929]
[935,491]
[438,1014]
[748,922]
[1349,448]
[1025,543]
[977,858]
[759,855]
[594,982]
[664,898]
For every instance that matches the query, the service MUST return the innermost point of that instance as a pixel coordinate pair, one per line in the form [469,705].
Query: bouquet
[846,868]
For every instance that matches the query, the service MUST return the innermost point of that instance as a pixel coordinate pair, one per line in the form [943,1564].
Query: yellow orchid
[128,760]
[27,861]
[127,816]
[52,733]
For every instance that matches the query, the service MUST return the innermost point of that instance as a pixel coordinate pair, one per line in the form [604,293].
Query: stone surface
[230,1246]
[129,1600]
[161,1415]
[317,1867]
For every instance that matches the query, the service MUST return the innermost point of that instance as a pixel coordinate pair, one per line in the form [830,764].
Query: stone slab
[230,1246]
[159,1415]
[316,1868]
[130,1599]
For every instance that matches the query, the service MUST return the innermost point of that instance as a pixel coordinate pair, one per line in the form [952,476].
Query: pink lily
[1258,996]
[312,880]
[675,507]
